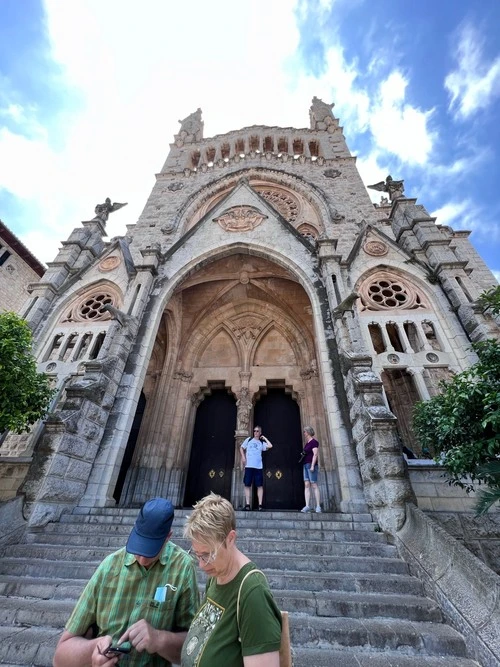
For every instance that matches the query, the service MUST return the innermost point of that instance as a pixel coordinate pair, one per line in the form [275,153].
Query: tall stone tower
[259,285]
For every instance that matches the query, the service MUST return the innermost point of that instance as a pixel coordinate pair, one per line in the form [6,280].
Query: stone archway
[239,321]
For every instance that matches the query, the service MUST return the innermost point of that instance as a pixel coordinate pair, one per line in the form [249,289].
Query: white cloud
[475,82]
[398,127]
[453,212]
[497,275]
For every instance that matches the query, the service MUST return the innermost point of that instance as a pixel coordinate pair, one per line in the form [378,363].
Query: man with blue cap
[140,601]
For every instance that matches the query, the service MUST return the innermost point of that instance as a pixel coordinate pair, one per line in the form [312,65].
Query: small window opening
[225,151]
[430,335]
[268,144]
[283,145]
[393,333]
[314,148]
[464,289]
[412,335]
[298,147]
[377,338]
[70,344]
[56,344]
[97,345]
[83,347]
[254,143]
[195,159]
[336,288]
[239,146]
[5,256]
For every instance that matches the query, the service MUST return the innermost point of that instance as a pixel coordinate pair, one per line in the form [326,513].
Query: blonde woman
[216,637]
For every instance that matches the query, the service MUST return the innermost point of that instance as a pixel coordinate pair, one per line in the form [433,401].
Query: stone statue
[395,189]
[320,112]
[192,125]
[102,211]
[244,405]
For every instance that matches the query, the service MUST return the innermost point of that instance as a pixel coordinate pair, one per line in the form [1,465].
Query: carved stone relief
[240,219]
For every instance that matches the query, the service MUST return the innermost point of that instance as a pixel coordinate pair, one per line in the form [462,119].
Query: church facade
[260,285]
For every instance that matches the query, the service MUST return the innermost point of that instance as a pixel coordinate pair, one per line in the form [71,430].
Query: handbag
[285,647]
[302,456]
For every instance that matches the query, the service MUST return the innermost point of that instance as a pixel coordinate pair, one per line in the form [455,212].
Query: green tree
[490,300]
[461,426]
[24,393]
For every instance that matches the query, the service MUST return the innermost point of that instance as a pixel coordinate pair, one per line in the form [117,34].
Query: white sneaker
[306,509]
[318,509]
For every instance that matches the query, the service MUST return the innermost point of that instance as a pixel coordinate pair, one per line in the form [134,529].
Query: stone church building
[260,285]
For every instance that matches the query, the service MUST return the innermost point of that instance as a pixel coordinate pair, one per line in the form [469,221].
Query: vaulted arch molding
[207,197]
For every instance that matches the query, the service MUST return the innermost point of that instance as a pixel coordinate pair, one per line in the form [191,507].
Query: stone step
[81,569]
[256,520]
[47,588]
[241,515]
[334,604]
[317,657]
[21,611]
[405,637]
[255,546]
[334,533]
[21,646]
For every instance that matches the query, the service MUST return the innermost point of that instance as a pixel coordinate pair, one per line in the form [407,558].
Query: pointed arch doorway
[212,451]
[279,416]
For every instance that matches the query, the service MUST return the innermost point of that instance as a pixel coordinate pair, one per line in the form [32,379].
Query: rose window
[390,292]
[93,307]
[287,207]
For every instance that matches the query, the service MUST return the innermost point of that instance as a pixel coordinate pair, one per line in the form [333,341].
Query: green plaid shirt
[121,592]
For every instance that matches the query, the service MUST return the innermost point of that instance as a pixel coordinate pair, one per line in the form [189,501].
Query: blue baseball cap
[151,528]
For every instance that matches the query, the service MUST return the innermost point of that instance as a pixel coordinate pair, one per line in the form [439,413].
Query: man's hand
[99,657]
[143,637]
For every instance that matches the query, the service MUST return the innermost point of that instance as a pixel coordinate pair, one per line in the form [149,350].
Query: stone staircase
[351,600]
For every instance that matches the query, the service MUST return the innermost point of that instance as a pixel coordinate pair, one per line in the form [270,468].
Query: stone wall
[453,509]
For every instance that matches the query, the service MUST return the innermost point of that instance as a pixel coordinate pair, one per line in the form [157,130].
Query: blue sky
[91,92]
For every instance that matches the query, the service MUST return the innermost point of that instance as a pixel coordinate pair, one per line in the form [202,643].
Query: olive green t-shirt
[212,639]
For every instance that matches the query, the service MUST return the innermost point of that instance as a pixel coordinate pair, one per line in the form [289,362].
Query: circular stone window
[385,291]
[92,308]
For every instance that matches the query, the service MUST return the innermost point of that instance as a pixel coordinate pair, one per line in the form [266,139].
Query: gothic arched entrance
[279,416]
[212,452]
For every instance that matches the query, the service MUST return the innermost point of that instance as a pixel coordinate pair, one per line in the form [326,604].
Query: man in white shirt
[251,457]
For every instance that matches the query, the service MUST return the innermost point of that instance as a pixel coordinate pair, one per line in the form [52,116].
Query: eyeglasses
[206,559]
[256,429]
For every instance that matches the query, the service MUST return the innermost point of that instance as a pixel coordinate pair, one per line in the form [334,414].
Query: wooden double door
[213,449]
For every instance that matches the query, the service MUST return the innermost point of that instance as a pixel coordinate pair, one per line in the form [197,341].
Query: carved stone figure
[244,405]
[320,112]
[395,189]
[102,211]
[192,125]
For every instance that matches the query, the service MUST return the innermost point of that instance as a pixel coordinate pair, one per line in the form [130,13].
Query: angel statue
[102,211]
[395,189]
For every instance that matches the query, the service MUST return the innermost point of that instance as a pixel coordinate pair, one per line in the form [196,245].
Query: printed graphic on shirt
[199,632]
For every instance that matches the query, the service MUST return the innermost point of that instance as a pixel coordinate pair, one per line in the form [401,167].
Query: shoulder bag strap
[239,595]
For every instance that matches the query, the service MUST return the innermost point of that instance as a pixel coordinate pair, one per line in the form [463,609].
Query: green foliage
[461,426]
[24,393]
[487,498]
[490,300]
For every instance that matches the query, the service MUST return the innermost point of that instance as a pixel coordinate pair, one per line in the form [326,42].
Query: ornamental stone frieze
[246,328]
[240,219]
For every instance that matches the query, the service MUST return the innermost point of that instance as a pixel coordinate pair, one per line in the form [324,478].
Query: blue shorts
[253,475]
[310,476]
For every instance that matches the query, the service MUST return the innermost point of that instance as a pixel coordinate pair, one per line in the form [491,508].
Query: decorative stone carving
[395,189]
[102,211]
[332,173]
[286,205]
[184,376]
[246,328]
[393,358]
[432,357]
[240,219]
[173,187]
[376,248]
[192,126]
[244,406]
[109,263]
[91,306]
[320,114]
